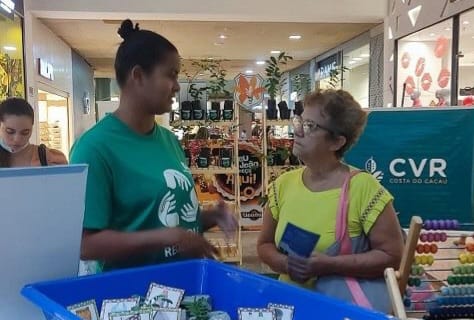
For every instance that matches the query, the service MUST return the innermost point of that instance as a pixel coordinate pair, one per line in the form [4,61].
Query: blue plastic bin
[229,287]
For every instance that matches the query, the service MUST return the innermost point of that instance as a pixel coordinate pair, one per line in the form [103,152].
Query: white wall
[40,42]
[398,22]
[356,81]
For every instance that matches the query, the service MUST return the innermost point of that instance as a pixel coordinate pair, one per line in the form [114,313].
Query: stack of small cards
[272,312]
[160,303]
[167,303]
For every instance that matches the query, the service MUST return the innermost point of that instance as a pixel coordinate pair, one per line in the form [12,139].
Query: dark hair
[142,48]
[13,107]
[344,113]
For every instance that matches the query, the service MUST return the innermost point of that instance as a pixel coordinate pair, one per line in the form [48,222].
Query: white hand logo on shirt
[167,211]
[189,210]
[174,177]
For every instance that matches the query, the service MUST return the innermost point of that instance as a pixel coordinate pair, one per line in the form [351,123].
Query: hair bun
[126,29]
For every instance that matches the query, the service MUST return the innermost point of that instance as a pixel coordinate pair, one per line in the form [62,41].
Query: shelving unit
[229,251]
[271,172]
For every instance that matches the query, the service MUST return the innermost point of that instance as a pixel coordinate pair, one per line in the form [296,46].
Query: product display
[50,135]
[168,303]
[212,154]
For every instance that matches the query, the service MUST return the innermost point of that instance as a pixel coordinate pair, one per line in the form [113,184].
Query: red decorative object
[406,60]
[468,101]
[426,81]
[410,85]
[420,66]
[442,46]
[443,78]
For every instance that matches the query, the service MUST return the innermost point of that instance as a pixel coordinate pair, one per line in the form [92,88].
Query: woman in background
[16,126]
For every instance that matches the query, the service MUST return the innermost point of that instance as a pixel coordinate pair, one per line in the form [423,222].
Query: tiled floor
[250,258]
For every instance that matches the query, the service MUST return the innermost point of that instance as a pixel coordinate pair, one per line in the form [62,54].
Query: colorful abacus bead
[437,236]
[433,248]
[427,225]
[430,260]
[443,237]
[442,224]
[470,258]
[463,258]
[424,237]
[470,247]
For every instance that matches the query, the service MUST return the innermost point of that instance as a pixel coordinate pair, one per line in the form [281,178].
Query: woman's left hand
[302,269]
[226,220]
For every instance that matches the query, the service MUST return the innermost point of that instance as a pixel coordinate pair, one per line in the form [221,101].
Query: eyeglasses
[307,126]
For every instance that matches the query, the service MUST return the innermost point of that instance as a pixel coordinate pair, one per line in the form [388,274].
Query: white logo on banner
[371,167]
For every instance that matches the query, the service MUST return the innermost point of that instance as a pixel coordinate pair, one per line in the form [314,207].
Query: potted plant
[274,84]
[216,88]
[281,155]
[196,94]
[336,76]
[302,87]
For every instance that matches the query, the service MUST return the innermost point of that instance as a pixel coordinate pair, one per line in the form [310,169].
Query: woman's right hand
[192,245]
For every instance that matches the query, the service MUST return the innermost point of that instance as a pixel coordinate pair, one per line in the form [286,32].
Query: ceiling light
[9,48]
[365,55]
[222,36]
[275,52]
[248,71]
[432,34]
[295,37]
[352,62]
[218,43]
[390,33]
[260,62]
[447,29]
[465,22]
[357,59]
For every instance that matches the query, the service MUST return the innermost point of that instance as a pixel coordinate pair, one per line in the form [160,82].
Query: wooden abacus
[455,299]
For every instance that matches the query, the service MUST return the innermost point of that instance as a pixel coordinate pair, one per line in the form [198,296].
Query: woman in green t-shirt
[141,206]
[348,214]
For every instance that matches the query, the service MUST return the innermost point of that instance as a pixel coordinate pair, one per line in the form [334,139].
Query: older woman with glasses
[327,226]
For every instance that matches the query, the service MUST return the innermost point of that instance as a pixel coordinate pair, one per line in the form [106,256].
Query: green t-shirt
[291,202]
[136,182]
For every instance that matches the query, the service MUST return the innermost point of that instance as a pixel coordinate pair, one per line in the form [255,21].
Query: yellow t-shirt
[291,202]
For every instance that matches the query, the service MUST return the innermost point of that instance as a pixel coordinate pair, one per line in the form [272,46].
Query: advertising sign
[424,157]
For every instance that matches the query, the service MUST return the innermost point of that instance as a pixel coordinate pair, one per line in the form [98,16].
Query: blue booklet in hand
[297,241]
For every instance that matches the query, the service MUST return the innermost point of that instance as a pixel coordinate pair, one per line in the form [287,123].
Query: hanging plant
[336,76]
[273,72]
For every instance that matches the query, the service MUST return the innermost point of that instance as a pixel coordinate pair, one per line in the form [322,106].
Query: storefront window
[466,59]
[328,72]
[11,58]
[53,121]
[424,67]
[356,74]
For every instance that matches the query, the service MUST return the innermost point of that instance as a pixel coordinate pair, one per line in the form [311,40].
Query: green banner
[424,157]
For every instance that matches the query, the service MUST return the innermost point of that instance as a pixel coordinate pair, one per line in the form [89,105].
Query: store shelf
[214,170]
[207,123]
[281,123]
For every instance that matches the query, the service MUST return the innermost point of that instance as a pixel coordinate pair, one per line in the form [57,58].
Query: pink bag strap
[342,236]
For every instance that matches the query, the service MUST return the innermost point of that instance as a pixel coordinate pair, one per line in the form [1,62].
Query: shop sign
[423,158]
[249,90]
[46,69]
[7,8]
[327,65]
